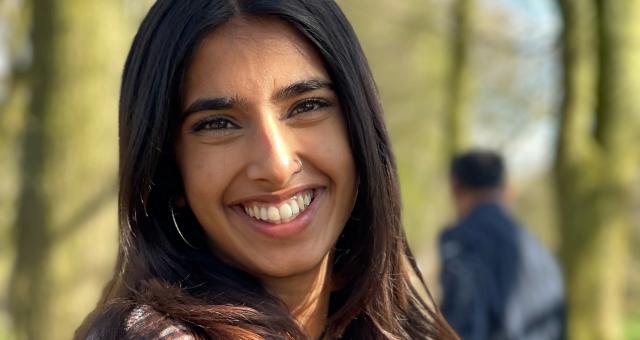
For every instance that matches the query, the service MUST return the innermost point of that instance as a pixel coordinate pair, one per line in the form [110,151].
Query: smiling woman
[258,193]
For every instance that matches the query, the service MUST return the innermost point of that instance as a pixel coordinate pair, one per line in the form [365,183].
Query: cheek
[332,155]
[204,174]
[333,144]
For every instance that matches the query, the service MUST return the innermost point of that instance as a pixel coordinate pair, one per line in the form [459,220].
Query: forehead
[246,53]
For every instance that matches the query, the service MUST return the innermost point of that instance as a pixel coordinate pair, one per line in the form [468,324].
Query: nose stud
[299,165]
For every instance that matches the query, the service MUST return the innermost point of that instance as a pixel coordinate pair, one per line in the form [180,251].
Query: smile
[282,212]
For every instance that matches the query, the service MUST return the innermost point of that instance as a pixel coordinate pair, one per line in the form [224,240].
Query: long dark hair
[156,268]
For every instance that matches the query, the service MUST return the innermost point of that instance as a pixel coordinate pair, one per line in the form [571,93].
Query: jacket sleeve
[464,303]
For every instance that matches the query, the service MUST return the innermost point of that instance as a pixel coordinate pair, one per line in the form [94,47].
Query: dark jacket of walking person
[499,282]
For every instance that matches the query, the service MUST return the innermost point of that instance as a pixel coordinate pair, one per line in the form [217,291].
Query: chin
[284,265]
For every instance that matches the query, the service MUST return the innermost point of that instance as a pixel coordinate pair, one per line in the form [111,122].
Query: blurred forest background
[552,84]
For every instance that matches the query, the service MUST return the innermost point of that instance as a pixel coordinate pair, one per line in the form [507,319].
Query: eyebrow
[301,87]
[220,103]
[209,104]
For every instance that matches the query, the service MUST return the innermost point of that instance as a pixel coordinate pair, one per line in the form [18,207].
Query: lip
[275,197]
[284,230]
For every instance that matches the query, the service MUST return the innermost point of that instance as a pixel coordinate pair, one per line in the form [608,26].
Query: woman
[258,192]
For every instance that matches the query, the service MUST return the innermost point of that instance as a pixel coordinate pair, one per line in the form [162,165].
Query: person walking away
[499,282]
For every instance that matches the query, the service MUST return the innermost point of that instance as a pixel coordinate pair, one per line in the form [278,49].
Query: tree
[65,233]
[459,81]
[14,93]
[597,158]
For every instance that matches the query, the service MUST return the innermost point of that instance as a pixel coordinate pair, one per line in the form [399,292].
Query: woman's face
[258,103]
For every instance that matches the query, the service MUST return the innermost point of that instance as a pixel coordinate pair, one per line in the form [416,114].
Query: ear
[506,194]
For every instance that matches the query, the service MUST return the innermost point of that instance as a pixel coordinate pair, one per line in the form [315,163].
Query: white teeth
[300,202]
[274,214]
[294,207]
[280,213]
[285,211]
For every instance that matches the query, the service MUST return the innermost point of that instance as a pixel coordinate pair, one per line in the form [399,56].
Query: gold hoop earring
[175,224]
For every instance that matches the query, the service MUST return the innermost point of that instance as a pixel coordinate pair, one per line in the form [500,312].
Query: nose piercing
[299,165]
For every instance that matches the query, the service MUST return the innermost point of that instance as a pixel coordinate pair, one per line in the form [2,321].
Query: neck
[470,200]
[306,296]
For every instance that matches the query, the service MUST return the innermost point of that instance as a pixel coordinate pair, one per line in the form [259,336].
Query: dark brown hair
[156,268]
[478,169]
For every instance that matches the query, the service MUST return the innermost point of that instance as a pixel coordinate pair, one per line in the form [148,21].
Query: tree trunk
[596,160]
[65,232]
[459,82]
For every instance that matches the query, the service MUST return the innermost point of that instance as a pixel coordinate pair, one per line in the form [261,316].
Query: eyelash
[221,124]
[214,124]
[316,103]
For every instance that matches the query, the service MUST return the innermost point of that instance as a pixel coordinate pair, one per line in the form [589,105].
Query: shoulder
[145,322]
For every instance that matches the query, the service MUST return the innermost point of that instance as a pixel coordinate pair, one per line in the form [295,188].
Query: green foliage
[632,327]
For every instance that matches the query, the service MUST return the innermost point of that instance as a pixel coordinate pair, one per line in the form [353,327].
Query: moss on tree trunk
[596,160]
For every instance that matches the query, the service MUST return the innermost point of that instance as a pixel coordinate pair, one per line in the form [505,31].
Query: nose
[273,160]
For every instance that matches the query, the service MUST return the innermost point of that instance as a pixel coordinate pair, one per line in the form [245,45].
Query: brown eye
[308,105]
[214,124]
